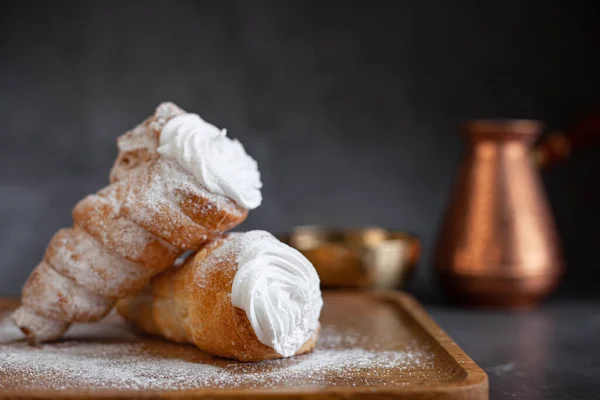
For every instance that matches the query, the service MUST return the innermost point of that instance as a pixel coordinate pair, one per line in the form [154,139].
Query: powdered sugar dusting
[75,248]
[127,364]
[138,138]
[164,189]
[9,332]
[228,251]
[138,147]
[145,135]
[126,238]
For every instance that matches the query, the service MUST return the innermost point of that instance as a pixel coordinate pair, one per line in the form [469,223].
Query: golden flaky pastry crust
[122,236]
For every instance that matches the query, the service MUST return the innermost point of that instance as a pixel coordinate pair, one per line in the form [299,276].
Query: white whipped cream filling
[217,162]
[278,288]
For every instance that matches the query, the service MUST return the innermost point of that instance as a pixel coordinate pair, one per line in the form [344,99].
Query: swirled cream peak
[278,288]
[217,162]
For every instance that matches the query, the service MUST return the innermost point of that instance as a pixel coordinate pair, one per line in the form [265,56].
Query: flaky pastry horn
[245,296]
[155,209]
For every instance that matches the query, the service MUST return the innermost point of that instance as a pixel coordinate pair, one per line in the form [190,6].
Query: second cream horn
[245,296]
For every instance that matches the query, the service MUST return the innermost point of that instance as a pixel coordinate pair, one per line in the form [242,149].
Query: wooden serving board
[372,345]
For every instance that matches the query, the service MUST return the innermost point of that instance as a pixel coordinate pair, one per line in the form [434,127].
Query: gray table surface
[549,353]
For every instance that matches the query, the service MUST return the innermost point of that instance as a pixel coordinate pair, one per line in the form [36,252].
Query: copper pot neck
[503,129]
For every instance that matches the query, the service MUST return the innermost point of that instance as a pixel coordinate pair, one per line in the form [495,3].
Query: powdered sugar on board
[109,356]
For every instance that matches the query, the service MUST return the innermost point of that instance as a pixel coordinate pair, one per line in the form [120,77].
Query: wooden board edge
[475,385]
[8,303]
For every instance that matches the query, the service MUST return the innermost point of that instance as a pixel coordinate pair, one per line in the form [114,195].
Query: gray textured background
[350,108]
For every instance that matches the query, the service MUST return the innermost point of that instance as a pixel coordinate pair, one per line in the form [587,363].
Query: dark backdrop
[350,108]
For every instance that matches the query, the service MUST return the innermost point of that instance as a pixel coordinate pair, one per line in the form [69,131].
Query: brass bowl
[360,258]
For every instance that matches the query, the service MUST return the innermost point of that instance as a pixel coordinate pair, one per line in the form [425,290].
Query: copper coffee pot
[498,245]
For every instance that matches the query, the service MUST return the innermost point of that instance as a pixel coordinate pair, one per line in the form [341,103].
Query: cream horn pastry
[245,296]
[178,181]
